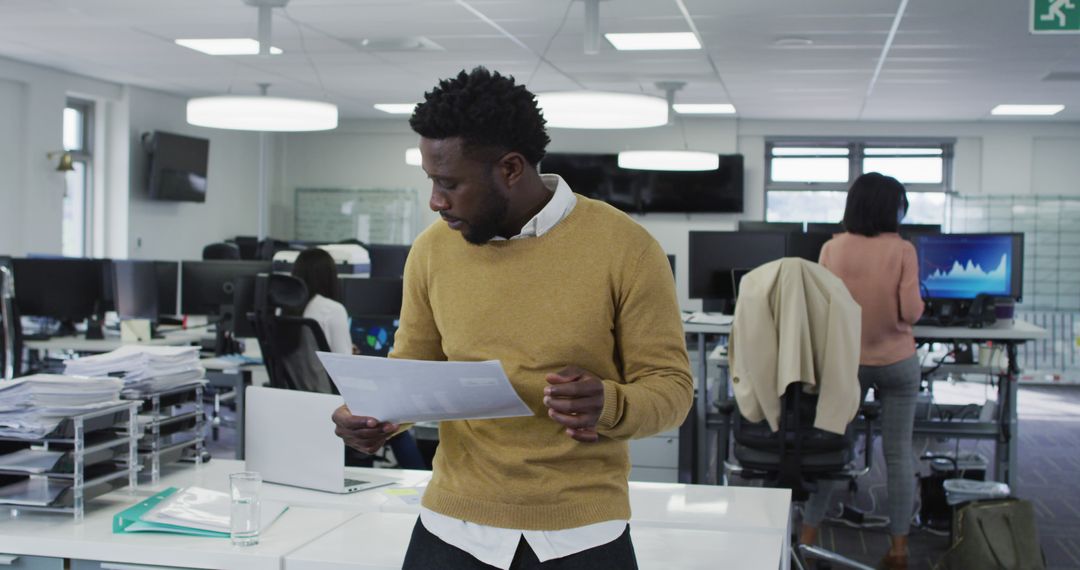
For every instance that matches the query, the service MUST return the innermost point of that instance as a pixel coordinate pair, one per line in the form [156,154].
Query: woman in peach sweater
[881,272]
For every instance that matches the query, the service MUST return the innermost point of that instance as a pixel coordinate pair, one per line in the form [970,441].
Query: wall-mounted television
[177,169]
[641,191]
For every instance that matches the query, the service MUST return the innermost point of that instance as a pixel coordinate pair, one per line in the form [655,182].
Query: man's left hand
[575,399]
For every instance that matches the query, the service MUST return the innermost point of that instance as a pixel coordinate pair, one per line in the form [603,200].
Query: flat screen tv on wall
[641,191]
[177,169]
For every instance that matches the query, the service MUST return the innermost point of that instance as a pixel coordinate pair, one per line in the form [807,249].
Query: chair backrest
[289,343]
[797,454]
[221,250]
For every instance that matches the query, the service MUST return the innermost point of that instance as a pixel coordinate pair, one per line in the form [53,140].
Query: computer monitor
[363,297]
[206,286]
[387,260]
[756,226]
[807,246]
[715,257]
[909,231]
[135,288]
[822,228]
[961,266]
[65,289]
[373,335]
[243,304]
[671,262]
[167,275]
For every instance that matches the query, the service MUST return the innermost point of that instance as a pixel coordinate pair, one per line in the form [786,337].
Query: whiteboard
[377,215]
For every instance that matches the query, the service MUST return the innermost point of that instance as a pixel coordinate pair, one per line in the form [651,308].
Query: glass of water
[245,512]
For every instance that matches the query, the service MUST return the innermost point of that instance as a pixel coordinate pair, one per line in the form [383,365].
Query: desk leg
[1006,450]
[701,435]
[240,415]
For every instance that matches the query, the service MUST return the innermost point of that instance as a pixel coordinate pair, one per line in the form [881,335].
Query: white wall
[179,230]
[997,158]
[32,101]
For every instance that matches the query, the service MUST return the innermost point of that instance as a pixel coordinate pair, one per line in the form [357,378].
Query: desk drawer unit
[30,562]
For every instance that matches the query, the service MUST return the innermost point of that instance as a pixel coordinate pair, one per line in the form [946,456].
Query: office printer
[350,259]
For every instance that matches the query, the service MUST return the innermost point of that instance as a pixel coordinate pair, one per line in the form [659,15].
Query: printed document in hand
[397,390]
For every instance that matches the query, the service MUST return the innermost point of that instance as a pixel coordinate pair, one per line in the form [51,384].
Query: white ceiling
[949,60]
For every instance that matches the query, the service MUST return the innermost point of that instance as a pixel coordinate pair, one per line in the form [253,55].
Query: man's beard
[485,225]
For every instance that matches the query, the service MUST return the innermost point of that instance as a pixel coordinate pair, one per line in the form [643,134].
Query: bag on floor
[994,534]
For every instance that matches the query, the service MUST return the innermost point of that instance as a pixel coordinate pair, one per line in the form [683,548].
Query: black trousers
[428,552]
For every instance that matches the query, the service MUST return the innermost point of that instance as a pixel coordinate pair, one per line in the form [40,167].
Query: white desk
[693,443]
[378,541]
[79,343]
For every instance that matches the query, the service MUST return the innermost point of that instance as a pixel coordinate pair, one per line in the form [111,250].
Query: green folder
[130,519]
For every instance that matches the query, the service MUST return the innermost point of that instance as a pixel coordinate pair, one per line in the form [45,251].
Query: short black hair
[874,205]
[487,110]
[316,268]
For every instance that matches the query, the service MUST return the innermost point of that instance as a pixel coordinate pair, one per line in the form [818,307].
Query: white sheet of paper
[396,390]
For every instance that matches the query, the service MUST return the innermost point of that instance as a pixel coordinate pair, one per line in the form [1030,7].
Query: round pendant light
[254,113]
[602,110]
[681,160]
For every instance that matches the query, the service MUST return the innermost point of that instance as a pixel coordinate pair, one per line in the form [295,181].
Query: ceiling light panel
[658,41]
[225,46]
[1027,110]
[396,108]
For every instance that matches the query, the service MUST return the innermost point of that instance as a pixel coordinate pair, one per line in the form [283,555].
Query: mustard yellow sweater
[595,291]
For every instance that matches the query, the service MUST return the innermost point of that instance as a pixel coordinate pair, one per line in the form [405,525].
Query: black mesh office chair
[798,456]
[221,250]
[289,343]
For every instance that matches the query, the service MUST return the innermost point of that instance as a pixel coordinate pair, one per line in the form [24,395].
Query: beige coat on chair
[795,322]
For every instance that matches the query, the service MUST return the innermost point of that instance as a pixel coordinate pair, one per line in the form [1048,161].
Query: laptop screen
[373,334]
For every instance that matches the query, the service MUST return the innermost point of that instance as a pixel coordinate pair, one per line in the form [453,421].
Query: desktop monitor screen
[387,260]
[822,228]
[373,335]
[961,266]
[135,289]
[371,296]
[806,246]
[167,275]
[671,262]
[63,289]
[715,255]
[909,231]
[756,226]
[205,286]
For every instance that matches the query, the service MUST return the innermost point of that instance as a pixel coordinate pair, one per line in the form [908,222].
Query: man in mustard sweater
[577,301]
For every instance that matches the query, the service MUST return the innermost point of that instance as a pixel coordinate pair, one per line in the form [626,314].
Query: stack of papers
[32,406]
[191,510]
[144,369]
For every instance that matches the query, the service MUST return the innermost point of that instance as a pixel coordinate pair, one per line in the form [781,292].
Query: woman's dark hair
[875,204]
[487,110]
[315,267]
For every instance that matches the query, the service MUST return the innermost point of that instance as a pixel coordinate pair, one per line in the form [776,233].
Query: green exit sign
[1055,16]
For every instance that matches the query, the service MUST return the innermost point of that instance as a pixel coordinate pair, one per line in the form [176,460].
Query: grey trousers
[896,386]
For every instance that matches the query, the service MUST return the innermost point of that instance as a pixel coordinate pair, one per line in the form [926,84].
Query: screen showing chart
[961,266]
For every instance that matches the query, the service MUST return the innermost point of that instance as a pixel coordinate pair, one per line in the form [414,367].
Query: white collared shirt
[496,546]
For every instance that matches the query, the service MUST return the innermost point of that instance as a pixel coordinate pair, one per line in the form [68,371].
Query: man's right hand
[361,432]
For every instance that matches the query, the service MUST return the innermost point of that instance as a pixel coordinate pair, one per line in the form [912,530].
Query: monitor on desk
[962,266]
[135,289]
[716,257]
[65,289]
[387,260]
[910,231]
[756,226]
[371,296]
[823,228]
[206,286]
[167,276]
[806,246]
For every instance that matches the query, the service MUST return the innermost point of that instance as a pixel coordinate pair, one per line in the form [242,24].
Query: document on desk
[398,390]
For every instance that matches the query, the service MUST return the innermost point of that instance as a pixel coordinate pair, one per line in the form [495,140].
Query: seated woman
[316,268]
[881,271]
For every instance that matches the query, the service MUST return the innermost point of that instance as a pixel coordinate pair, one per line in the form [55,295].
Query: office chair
[288,342]
[798,457]
[249,246]
[221,250]
[269,246]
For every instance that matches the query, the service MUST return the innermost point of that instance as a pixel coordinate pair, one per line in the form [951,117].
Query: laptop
[290,440]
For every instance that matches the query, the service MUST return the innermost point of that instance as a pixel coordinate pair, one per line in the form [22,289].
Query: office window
[808,180]
[78,192]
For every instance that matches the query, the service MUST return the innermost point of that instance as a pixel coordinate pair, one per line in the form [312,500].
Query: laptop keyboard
[354,482]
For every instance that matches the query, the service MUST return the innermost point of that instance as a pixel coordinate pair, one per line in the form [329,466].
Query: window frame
[84,155]
[856,155]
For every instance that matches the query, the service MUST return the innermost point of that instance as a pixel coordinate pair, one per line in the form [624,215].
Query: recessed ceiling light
[1027,110]
[226,46]
[396,108]
[633,42]
[792,41]
[704,108]
[602,110]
